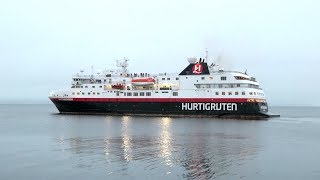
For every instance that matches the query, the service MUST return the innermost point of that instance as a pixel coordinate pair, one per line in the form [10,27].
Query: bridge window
[223,78]
[240,78]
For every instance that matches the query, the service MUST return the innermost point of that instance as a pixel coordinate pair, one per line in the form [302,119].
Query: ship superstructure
[200,89]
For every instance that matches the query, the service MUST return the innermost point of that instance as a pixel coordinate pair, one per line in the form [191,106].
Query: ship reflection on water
[126,139]
[160,147]
[165,141]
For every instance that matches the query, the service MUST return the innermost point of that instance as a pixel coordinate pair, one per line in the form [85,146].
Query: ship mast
[123,64]
[206,54]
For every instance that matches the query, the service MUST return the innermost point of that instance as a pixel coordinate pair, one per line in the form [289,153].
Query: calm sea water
[38,143]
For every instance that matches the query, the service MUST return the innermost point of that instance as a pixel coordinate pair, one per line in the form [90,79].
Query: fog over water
[42,43]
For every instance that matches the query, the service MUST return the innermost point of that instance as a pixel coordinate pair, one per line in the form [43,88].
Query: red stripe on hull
[185,100]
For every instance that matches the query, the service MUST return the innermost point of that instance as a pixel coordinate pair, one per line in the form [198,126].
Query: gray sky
[42,43]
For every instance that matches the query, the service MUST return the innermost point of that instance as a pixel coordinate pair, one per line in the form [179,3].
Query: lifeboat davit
[143,81]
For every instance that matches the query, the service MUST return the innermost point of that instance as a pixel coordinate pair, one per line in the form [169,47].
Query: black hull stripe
[168,108]
[163,100]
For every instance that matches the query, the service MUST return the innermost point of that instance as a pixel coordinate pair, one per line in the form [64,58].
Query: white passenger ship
[200,89]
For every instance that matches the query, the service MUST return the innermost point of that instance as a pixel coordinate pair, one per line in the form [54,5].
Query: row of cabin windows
[218,85]
[85,86]
[169,78]
[92,79]
[224,78]
[226,86]
[174,93]
[260,94]
[256,93]
[145,94]
[89,93]
[253,86]
[230,93]
[137,94]
[237,93]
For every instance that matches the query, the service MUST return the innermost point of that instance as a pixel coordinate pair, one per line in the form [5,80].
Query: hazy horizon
[43,43]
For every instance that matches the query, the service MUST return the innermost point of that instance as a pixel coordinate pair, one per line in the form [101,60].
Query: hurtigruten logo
[197,68]
[209,106]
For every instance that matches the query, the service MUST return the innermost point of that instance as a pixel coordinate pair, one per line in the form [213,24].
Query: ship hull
[182,108]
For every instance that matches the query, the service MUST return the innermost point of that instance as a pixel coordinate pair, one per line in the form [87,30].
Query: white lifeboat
[143,81]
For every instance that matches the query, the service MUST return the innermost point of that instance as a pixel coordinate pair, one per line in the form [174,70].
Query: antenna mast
[207,54]
[92,71]
[123,64]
